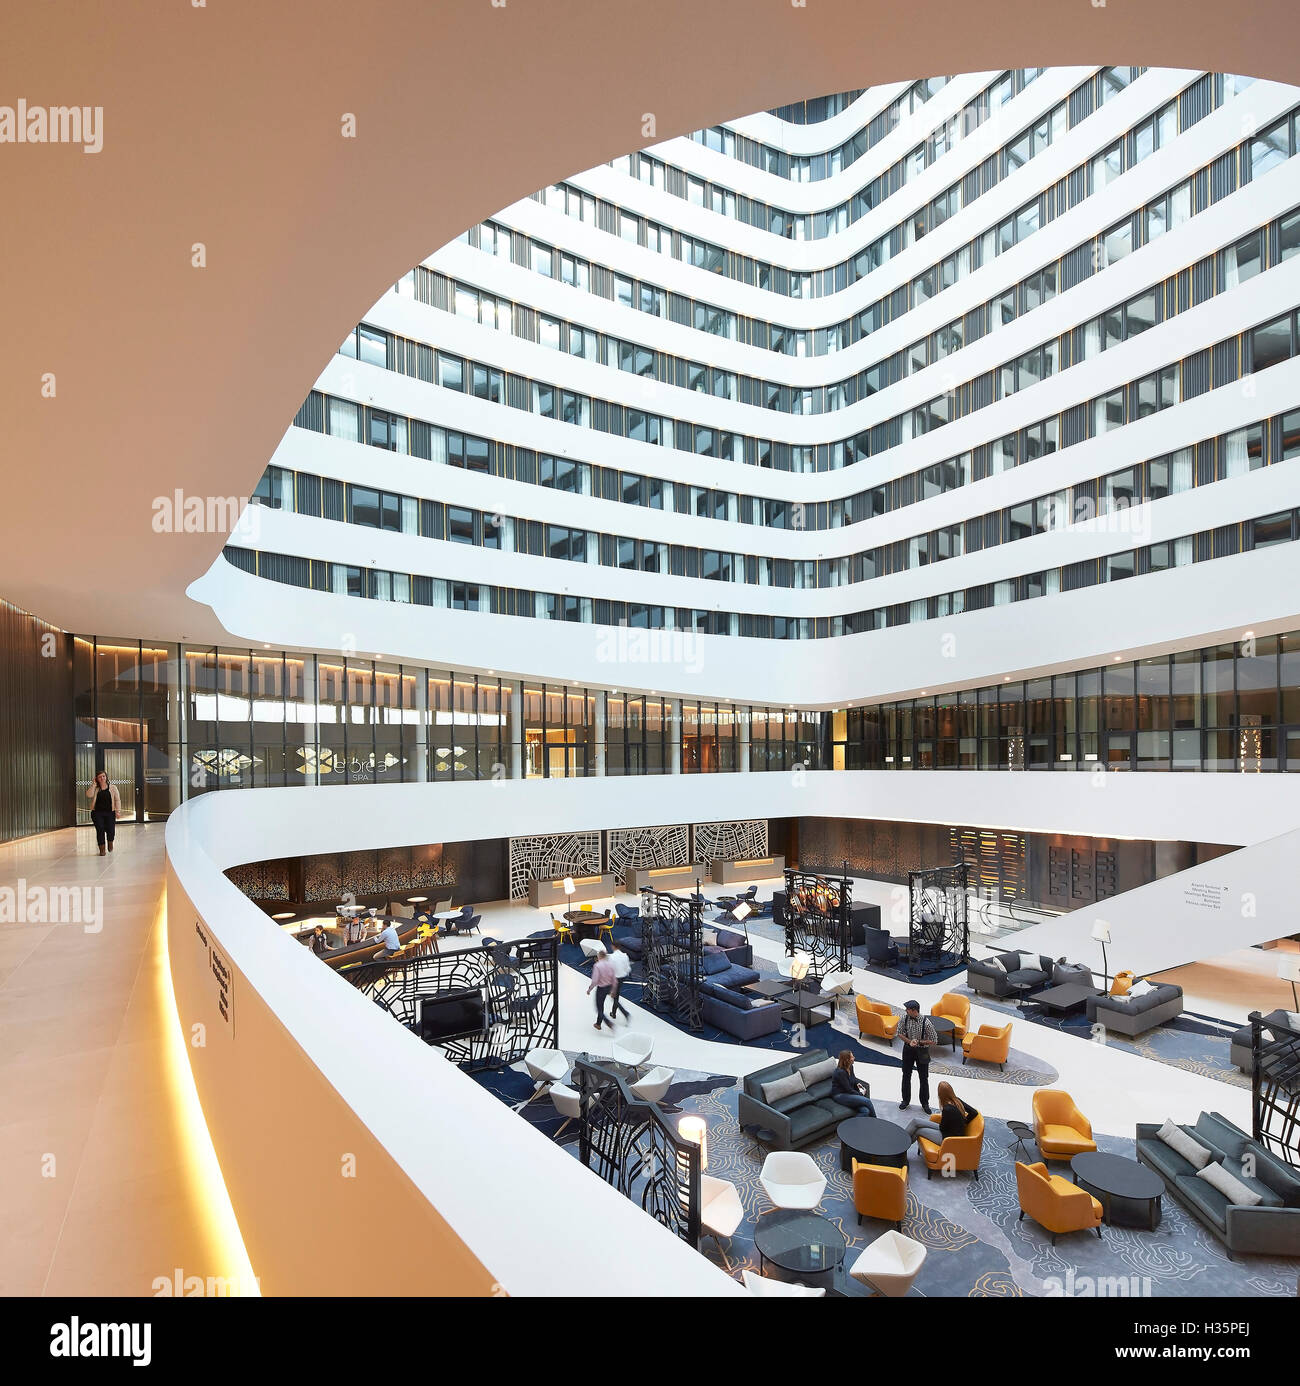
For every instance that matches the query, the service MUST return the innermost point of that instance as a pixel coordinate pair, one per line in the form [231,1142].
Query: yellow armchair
[990,1043]
[954,1152]
[1060,1128]
[1055,1203]
[880,1191]
[952,1007]
[1121,983]
[876,1019]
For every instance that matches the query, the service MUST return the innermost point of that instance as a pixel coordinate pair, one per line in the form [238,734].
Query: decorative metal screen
[730,841]
[817,920]
[938,934]
[518,981]
[551,856]
[638,848]
[628,1144]
[672,953]
[1275,1087]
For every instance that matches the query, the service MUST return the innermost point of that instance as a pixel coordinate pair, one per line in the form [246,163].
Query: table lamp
[1288,969]
[1101,932]
[693,1129]
[799,966]
[741,912]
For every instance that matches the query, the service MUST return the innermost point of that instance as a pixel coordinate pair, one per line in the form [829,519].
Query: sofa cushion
[734,976]
[1163,1158]
[1023,976]
[1140,989]
[727,939]
[819,1072]
[1221,1137]
[737,999]
[1230,1186]
[1028,962]
[1196,1154]
[714,963]
[788,1086]
[812,1118]
[1193,1189]
[994,963]
[786,1105]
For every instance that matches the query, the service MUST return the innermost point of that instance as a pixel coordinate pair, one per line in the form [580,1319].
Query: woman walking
[105,805]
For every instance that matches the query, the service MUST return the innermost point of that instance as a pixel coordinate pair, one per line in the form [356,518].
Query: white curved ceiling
[223,125]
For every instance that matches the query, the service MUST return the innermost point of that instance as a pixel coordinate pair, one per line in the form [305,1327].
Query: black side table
[1118,1184]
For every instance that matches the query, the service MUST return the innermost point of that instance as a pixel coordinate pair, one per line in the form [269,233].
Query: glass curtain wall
[169,722]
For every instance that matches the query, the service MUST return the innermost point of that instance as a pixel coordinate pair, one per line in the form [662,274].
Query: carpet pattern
[1196,1044]
[976,1244]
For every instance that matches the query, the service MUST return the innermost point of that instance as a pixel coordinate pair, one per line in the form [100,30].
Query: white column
[675,734]
[311,730]
[742,749]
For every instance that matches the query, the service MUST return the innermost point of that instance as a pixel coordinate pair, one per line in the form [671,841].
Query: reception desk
[544,893]
[754,869]
[663,877]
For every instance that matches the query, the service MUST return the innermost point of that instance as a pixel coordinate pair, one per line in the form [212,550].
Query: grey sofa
[988,981]
[1270,1228]
[1240,1052]
[792,1121]
[1136,1016]
[737,1013]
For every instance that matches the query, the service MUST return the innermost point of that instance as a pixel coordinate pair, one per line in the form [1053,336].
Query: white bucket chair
[568,1102]
[653,1087]
[889,1264]
[632,1049]
[778,1289]
[721,1211]
[838,985]
[792,1179]
[590,947]
[546,1067]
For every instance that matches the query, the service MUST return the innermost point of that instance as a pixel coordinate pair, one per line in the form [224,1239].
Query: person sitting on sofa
[849,1090]
[953,1118]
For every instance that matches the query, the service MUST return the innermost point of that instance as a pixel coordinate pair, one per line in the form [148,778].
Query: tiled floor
[102,1186]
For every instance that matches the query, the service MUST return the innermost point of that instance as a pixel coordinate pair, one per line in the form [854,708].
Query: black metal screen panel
[628,1143]
[1275,1087]
[518,982]
[672,953]
[817,920]
[938,933]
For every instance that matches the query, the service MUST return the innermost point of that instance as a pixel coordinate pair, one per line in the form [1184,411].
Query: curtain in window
[339,579]
[345,420]
[1235,455]
[1183,471]
[438,445]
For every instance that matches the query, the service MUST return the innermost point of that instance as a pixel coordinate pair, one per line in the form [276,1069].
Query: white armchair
[890,1264]
[590,947]
[837,984]
[632,1049]
[778,1289]
[653,1087]
[720,1211]
[792,1179]
[568,1102]
[546,1067]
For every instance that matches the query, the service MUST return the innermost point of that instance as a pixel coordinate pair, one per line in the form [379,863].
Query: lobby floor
[106,1183]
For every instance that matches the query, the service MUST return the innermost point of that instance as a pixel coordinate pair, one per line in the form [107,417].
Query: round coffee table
[944,1028]
[804,1246]
[1119,1183]
[872,1140]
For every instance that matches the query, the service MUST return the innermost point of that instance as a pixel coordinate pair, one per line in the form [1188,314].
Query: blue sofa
[724,1003]
[736,946]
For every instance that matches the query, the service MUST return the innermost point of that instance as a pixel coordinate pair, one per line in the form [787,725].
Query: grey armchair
[1136,1015]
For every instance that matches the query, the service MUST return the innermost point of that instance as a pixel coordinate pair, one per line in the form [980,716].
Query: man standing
[602,978]
[918,1035]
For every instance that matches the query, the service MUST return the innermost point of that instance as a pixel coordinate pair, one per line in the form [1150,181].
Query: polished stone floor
[106,1184]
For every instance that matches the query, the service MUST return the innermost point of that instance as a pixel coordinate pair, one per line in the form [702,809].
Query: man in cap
[918,1035]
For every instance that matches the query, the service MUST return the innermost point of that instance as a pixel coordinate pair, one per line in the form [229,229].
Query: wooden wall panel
[36,757]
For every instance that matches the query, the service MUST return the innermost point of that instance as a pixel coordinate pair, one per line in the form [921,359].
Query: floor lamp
[1101,932]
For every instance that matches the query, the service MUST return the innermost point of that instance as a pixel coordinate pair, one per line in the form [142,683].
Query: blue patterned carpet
[975,1242]
[1194,1043]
